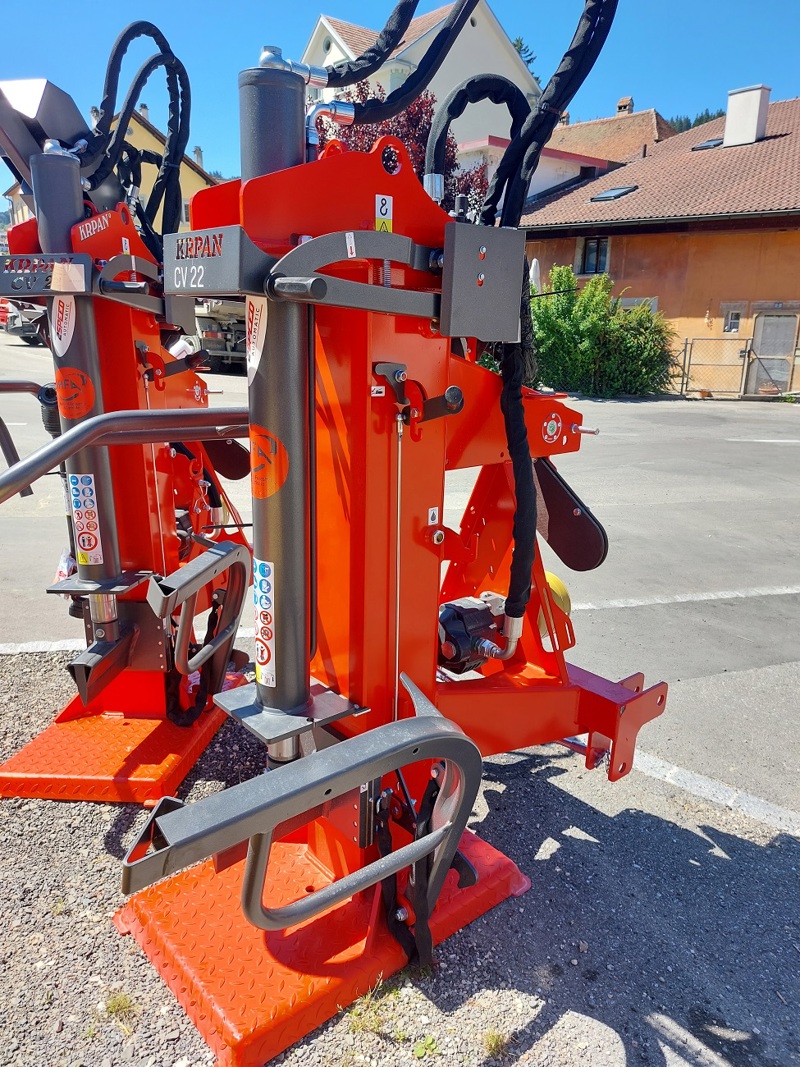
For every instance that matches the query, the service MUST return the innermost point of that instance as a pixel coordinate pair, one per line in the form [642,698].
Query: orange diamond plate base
[112,757]
[252,994]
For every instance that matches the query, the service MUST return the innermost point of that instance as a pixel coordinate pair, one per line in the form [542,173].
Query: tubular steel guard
[124,428]
[182,836]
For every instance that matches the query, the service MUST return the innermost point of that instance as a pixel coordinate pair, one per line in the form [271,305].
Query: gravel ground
[660,929]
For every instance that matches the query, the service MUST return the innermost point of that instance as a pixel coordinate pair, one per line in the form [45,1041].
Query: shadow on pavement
[691,940]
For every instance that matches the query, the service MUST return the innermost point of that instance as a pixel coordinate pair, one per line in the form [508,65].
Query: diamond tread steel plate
[252,994]
[108,757]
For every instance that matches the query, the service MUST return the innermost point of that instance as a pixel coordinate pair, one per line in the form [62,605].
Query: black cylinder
[272,110]
[57,192]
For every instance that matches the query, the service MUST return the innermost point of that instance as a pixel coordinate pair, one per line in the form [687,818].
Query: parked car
[24,320]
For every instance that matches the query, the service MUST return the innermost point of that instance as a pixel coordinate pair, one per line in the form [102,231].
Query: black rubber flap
[229,459]
[564,521]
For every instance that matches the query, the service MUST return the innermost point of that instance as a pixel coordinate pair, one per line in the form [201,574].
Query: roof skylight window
[712,142]
[614,194]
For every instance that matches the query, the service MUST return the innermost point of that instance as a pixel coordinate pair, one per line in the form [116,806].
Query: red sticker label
[269,463]
[75,392]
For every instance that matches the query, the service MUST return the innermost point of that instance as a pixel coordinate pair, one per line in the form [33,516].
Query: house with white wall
[482,47]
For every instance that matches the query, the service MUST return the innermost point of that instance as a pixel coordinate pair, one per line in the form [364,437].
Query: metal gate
[715,365]
[772,355]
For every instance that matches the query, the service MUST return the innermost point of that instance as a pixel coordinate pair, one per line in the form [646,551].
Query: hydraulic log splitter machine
[381,677]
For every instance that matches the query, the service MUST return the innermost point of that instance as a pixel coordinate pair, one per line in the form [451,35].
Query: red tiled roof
[619,138]
[676,183]
[358,39]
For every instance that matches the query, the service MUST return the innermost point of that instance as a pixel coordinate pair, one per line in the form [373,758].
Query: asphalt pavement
[683,878]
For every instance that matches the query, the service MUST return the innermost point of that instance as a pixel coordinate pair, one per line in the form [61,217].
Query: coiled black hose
[522,155]
[348,72]
[483,87]
[378,110]
[112,145]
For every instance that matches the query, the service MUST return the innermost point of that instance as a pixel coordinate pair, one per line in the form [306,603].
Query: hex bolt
[400,376]
[438,537]
[401,915]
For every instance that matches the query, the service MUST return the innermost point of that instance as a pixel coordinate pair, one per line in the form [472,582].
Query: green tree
[683,122]
[526,54]
[412,127]
[586,342]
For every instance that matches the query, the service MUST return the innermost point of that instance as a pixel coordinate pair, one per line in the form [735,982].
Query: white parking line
[726,796]
[689,598]
[764,440]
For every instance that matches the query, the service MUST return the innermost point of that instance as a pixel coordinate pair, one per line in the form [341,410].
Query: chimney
[746,118]
[144,111]
[95,113]
[198,156]
[625,106]
[565,118]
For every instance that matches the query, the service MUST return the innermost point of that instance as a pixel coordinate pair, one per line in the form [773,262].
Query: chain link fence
[715,365]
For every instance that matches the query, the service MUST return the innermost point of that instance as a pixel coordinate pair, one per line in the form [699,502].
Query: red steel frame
[250,994]
[122,747]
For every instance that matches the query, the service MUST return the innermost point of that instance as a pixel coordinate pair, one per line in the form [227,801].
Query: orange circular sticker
[269,463]
[75,392]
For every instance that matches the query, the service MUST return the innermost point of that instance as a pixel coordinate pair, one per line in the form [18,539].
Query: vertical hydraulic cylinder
[59,206]
[272,121]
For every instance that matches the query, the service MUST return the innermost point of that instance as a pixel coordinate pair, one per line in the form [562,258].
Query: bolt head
[400,376]
[482,252]
[481,279]
[438,537]
[401,915]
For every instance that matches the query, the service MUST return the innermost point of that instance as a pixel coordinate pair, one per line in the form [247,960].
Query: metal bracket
[395,375]
[255,809]
[43,274]
[181,589]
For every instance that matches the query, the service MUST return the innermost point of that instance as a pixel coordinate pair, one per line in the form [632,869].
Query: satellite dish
[536,276]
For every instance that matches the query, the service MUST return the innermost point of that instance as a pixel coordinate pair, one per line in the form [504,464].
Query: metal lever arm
[256,808]
[295,277]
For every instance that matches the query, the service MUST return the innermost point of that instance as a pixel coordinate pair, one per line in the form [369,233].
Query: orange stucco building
[706,226]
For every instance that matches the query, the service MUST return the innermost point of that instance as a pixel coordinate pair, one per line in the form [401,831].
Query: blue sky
[679,56]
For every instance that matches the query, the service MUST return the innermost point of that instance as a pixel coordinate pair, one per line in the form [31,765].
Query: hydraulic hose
[112,145]
[517,361]
[379,110]
[590,35]
[108,105]
[483,87]
[348,72]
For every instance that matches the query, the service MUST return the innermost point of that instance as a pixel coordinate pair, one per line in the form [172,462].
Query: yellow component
[560,595]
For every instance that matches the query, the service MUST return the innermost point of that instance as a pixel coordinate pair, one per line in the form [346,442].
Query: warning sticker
[256,331]
[264,603]
[75,392]
[83,501]
[269,463]
[384,206]
[350,241]
[63,323]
